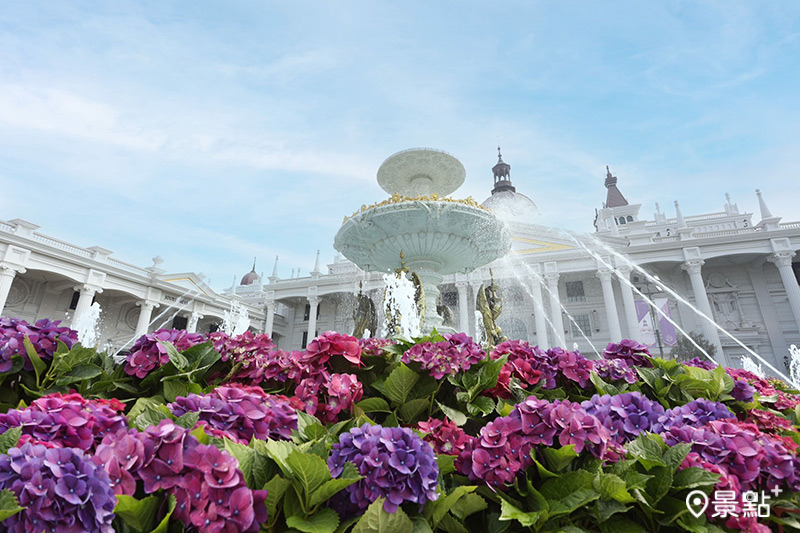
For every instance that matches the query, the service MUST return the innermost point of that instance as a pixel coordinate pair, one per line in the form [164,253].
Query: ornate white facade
[559,288]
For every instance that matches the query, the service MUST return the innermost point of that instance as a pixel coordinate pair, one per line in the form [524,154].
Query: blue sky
[212,132]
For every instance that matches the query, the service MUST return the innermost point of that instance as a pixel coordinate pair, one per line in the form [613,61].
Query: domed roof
[251,277]
[511,206]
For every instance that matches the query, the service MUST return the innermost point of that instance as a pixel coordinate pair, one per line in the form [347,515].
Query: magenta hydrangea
[396,465]
[44,335]
[445,436]
[571,365]
[697,362]
[632,352]
[66,421]
[695,413]
[522,356]
[780,399]
[502,450]
[61,489]
[626,415]
[241,413]
[456,353]
[208,486]
[148,354]
[326,395]
[373,346]
[614,370]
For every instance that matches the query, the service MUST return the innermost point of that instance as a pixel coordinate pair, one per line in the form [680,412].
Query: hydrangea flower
[256,354]
[373,346]
[241,412]
[572,365]
[743,391]
[326,395]
[44,335]
[769,421]
[502,450]
[147,353]
[697,362]
[456,353]
[695,413]
[615,370]
[630,351]
[445,437]
[626,415]
[61,488]
[331,343]
[542,371]
[208,486]
[766,388]
[66,421]
[396,465]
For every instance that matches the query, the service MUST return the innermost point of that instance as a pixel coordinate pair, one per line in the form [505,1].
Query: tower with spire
[502,175]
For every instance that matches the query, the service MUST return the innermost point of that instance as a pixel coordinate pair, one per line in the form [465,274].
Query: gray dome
[511,206]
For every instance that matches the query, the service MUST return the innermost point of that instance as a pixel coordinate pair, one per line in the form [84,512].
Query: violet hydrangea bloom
[44,335]
[697,362]
[61,488]
[456,353]
[571,365]
[630,351]
[147,353]
[695,413]
[615,370]
[66,421]
[396,465]
[240,412]
[626,415]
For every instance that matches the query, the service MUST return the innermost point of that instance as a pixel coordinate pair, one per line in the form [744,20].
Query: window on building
[584,323]
[180,322]
[307,312]
[305,338]
[796,268]
[622,220]
[213,327]
[450,298]
[74,302]
[629,218]
[575,291]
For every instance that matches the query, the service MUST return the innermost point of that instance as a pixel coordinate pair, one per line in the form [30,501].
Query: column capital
[147,303]
[693,266]
[313,299]
[551,278]
[461,285]
[9,269]
[604,274]
[782,259]
[88,288]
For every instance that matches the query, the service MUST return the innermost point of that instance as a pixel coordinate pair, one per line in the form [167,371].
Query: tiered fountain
[438,235]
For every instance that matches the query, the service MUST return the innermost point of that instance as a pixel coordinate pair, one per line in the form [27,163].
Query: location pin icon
[697,502]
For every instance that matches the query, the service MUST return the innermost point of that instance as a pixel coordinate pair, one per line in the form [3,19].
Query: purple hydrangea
[396,465]
[61,488]
[626,415]
[44,335]
[326,395]
[615,370]
[502,450]
[241,413]
[208,486]
[66,421]
[147,353]
[572,365]
[630,351]
[743,391]
[695,413]
[456,353]
[697,362]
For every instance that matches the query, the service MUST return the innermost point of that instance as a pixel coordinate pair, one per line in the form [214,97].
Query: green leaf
[377,520]
[9,506]
[399,384]
[421,525]
[275,488]
[559,458]
[411,409]
[451,525]
[488,374]
[526,519]
[675,454]
[569,492]
[141,405]
[174,389]
[152,416]
[329,488]
[39,367]
[612,487]
[310,470]
[163,526]
[693,477]
[446,464]
[188,420]
[647,450]
[10,438]
[309,427]
[175,357]
[278,451]
[455,415]
[244,455]
[372,405]
[437,509]
[138,514]
[80,373]
[619,524]
[659,485]
[469,504]
[325,521]
[481,405]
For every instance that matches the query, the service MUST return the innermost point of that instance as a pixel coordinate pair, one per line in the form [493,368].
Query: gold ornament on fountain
[490,305]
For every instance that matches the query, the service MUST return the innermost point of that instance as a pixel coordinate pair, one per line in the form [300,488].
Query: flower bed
[219,433]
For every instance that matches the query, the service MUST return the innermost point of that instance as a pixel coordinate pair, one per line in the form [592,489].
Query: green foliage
[685,349]
[9,506]
[377,520]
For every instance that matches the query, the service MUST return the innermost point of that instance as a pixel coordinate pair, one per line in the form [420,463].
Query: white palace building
[558,289]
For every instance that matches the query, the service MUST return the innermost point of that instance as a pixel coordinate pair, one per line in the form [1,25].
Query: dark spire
[502,175]
[251,277]
[614,197]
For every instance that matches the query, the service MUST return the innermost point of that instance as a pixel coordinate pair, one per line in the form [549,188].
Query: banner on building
[647,333]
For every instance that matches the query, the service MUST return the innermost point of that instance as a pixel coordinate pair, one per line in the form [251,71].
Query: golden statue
[490,305]
[364,315]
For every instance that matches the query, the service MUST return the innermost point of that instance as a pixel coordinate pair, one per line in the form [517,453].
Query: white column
[555,309]
[539,317]
[463,305]
[7,275]
[145,314]
[631,320]
[313,302]
[694,267]
[87,293]
[611,305]
[270,312]
[194,318]
[782,260]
